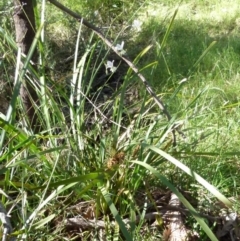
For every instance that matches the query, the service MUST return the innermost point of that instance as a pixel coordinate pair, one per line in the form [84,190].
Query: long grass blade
[116,214]
[193,174]
[203,55]
[163,179]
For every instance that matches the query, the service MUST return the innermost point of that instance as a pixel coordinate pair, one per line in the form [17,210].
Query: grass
[115,169]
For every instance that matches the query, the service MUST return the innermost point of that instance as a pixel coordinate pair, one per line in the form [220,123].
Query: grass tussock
[105,155]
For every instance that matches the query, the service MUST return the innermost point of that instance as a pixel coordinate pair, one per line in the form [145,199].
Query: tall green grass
[73,160]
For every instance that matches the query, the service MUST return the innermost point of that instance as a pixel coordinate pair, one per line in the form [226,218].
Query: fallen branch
[128,62]
[82,223]
[86,224]
[176,227]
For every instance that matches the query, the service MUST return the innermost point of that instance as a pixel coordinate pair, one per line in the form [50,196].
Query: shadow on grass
[185,44]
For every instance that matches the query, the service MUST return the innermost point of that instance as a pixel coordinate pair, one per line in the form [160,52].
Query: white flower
[137,25]
[110,66]
[119,48]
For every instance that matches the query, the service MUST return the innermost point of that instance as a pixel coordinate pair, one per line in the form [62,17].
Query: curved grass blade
[44,221]
[87,177]
[165,181]
[116,214]
[190,172]
[202,56]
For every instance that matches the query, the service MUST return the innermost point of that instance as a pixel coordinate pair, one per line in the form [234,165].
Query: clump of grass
[74,161]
